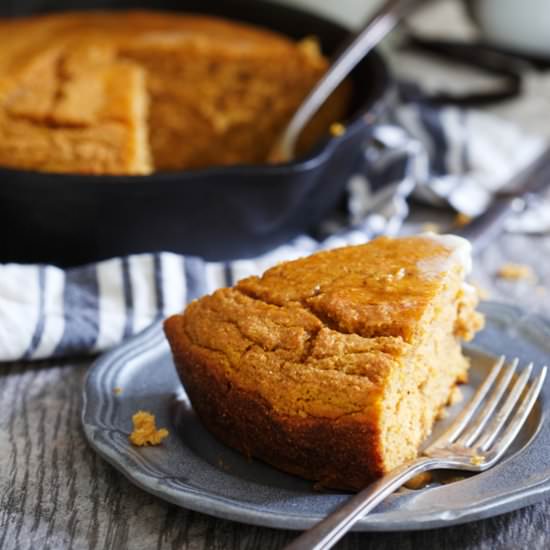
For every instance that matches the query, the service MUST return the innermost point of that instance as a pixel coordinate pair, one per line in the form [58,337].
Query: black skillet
[218,213]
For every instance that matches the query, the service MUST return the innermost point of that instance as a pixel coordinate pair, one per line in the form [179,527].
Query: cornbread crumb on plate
[431,227]
[419,481]
[332,367]
[145,431]
[456,396]
[513,271]
[477,460]
[117,390]
[462,219]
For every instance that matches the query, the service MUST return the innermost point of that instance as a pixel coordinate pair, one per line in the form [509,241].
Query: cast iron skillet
[218,213]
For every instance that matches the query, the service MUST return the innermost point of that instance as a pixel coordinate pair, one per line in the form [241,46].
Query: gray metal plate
[192,469]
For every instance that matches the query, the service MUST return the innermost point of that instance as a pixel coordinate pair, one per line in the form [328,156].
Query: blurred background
[347,12]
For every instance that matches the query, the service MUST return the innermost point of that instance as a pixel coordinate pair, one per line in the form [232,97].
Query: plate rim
[243,512]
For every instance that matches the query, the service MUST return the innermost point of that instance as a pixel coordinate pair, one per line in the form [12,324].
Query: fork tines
[487,414]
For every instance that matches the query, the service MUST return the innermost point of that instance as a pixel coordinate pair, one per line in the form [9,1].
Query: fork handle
[331,529]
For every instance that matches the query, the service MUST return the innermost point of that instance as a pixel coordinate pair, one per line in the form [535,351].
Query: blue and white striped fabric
[50,312]
[445,156]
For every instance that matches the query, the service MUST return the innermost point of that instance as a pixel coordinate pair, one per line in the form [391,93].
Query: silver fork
[470,443]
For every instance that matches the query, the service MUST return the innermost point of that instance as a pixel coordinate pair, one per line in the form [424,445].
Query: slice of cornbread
[333,367]
[73,107]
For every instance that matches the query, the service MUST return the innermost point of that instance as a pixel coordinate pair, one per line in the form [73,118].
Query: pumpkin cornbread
[333,367]
[137,91]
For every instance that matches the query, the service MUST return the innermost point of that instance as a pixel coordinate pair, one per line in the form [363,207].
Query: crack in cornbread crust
[357,297]
[268,376]
[241,417]
[282,355]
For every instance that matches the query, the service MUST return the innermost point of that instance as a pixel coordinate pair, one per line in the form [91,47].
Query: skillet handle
[377,27]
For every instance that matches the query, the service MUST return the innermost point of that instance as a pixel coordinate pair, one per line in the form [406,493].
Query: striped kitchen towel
[47,312]
[445,156]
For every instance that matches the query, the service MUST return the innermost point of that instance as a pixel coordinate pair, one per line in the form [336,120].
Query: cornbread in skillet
[332,367]
[137,91]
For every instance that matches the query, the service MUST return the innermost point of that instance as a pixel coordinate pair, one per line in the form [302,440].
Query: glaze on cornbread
[137,91]
[333,367]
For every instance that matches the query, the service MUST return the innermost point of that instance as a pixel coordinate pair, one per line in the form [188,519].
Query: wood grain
[55,492]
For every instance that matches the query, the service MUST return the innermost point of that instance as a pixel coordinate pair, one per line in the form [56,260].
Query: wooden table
[55,492]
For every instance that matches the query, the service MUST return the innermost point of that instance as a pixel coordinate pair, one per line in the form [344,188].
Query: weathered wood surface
[55,492]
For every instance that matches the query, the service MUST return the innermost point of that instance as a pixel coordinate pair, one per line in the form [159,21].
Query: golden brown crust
[74,89]
[283,354]
[307,445]
[381,288]
[303,366]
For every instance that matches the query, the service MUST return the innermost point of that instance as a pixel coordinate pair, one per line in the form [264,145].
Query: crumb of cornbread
[337,129]
[477,460]
[431,227]
[419,481]
[145,430]
[309,45]
[482,292]
[117,390]
[514,271]
[461,220]
[456,396]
